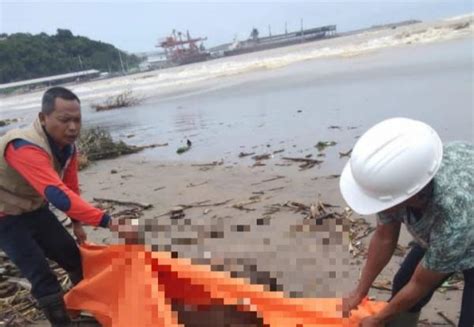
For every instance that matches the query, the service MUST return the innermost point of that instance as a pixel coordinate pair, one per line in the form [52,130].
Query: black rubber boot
[54,309]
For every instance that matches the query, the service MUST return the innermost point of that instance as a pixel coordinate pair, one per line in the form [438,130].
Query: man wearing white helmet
[400,170]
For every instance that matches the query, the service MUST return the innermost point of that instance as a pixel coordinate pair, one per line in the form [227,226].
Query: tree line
[25,56]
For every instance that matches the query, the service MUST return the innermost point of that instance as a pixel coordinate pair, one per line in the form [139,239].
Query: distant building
[52,80]
[153,60]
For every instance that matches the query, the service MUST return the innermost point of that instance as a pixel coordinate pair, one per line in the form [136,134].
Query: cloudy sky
[135,26]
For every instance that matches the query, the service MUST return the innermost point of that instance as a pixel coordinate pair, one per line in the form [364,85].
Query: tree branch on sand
[97,144]
[122,100]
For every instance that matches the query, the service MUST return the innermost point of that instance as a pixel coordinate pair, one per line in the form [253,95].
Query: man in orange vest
[38,168]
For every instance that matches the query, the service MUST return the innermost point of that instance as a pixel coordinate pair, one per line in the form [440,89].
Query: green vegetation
[25,56]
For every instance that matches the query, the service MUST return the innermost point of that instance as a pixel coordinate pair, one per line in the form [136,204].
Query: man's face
[64,123]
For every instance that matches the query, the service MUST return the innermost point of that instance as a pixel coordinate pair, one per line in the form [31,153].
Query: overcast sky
[136,25]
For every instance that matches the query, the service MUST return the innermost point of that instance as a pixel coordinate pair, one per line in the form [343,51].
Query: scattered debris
[6,122]
[200,204]
[321,145]
[345,154]
[449,321]
[269,180]
[453,283]
[185,148]
[316,211]
[307,163]
[17,305]
[400,250]
[97,144]
[177,212]
[211,164]
[242,205]
[144,206]
[122,100]
[194,185]
[259,157]
[384,285]
[246,154]
[276,189]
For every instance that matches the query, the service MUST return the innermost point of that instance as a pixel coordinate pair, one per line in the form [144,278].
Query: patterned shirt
[446,227]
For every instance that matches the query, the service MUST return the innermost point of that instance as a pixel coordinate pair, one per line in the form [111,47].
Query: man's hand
[372,321]
[350,302]
[79,232]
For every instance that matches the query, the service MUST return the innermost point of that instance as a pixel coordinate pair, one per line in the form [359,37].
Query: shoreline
[183,78]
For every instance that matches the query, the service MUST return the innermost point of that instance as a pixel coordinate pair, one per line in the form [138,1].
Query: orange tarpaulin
[128,285]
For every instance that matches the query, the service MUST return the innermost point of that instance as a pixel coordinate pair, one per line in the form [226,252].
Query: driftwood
[275,189]
[125,203]
[242,205]
[307,163]
[269,180]
[382,286]
[345,154]
[122,100]
[201,204]
[321,145]
[211,164]
[264,156]
[6,122]
[194,185]
[449,321]
[246,154]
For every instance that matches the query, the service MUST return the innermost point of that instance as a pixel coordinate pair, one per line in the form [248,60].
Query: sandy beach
[280,103]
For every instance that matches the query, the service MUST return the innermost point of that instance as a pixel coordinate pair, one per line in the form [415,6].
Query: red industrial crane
[183,51]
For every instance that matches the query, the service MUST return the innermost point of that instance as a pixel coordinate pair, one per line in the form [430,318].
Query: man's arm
[70,174]
[422,281]
[34,164]
[381,248]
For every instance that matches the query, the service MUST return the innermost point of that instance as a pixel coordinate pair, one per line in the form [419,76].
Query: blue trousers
[29,239]
[403,276]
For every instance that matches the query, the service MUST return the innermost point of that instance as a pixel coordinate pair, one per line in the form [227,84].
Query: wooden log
[125,203]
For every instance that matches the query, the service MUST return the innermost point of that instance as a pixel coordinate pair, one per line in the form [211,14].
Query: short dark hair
[49,97]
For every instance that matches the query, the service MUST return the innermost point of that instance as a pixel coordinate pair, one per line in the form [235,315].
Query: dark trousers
[29,239]
[403,276]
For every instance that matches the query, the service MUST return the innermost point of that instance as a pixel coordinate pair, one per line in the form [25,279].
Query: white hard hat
[390,163]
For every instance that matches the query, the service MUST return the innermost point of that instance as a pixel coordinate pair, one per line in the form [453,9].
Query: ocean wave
[163,81]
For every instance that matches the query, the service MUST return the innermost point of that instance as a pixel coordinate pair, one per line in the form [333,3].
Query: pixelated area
[129,285]
[294,253]
[268,267]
